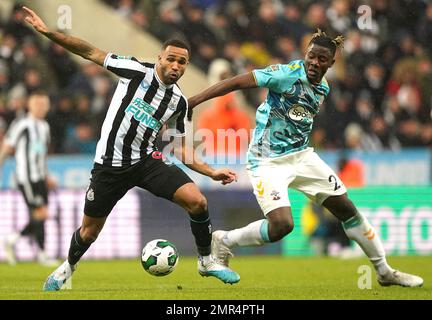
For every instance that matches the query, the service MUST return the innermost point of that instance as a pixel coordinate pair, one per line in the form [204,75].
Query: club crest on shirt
[172,105]
[157,155]
[275,194]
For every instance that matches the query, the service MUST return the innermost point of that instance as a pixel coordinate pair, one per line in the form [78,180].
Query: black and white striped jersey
[140,106]
[30,137]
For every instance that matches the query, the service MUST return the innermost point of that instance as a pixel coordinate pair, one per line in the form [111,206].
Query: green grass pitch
[262,278]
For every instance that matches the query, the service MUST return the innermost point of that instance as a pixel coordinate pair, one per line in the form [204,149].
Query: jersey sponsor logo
[124,57]
[298,113]
[90,194]
[141,111]
[38,147]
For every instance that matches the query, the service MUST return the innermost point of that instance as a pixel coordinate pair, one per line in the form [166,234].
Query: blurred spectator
[167,22]
[232,53]
[36,61]
[286,49]
[424,28]
[60,120]
[81,82]
[80,139]
[292,22]
[374,83]
[316,16]
[338,15]
[16,26]
[380,136]
[224,114]
[351,172]
[265,26]
[353,135]
[63,65]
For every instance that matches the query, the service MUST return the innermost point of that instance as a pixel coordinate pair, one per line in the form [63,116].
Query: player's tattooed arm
[242,81]
[70,43]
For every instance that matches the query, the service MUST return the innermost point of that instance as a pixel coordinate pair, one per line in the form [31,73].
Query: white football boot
[9,246]
[61,277]
[220,251]
[396,277]
[43,260]
[211,268]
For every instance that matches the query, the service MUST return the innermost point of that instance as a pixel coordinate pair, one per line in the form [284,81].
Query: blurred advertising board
[402,217]
[405,168]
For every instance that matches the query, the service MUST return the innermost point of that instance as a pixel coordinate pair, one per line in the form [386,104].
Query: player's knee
[89,235]
[280,230]
[197,204]
[40,213]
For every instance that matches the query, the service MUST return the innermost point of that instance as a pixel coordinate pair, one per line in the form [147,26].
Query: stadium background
[378,113]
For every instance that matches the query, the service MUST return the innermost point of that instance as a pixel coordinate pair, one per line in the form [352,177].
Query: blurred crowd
[80,93]
[381,84]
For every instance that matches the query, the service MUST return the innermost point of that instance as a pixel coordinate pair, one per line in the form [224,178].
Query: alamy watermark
[365,279]
[64,21]
[228,146]
[365,21]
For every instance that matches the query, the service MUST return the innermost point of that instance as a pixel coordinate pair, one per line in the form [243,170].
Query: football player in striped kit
[146,98]
[28,138]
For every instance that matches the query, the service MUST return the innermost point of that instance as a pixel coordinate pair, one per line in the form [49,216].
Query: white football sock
[206,259]
[360,230]
[254,234]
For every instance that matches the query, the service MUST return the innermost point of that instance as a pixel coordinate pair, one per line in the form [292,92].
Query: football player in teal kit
[279,158]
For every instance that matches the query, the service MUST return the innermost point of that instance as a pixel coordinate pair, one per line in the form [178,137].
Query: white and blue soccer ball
[159,257]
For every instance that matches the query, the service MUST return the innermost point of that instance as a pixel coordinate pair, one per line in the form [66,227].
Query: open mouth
[173,76]
[312,72]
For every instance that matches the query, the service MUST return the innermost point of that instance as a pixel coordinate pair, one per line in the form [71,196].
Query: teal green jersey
[284,120]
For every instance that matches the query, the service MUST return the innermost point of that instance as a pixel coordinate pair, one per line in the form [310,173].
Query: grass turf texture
[262,277]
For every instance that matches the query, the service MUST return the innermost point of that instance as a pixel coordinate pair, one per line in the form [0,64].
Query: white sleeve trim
[105,64]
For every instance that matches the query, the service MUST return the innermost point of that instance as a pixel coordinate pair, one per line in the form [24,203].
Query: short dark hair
[322,39]
[177,43]
[39,92]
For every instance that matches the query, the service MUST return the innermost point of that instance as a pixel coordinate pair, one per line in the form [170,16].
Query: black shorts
[109,184]
[35,194]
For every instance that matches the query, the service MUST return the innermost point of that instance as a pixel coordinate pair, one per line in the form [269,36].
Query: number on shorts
[331,178]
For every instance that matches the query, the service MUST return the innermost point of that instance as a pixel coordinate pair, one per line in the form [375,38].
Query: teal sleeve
[273,77]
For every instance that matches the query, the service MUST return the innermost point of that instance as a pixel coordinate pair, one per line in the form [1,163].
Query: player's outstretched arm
[72,44]
[188,156]
[242,81]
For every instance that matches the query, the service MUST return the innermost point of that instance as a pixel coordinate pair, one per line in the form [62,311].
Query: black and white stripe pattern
[30,137]
[141,105]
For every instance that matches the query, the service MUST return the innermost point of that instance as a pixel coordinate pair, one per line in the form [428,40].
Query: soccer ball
[159,257]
